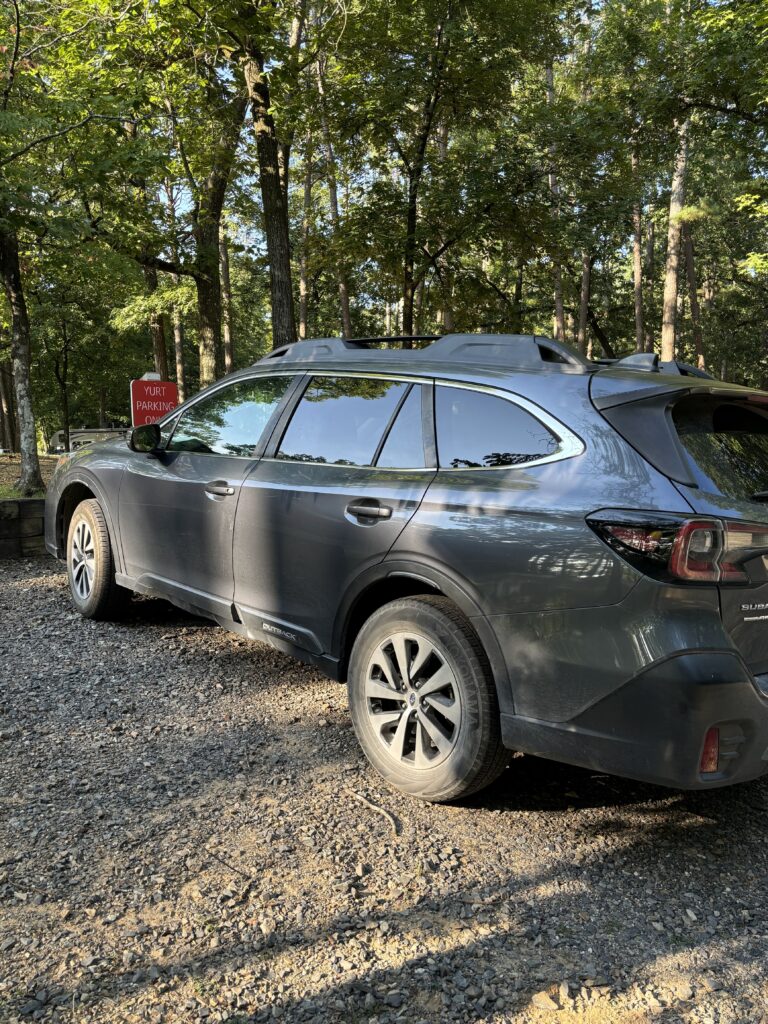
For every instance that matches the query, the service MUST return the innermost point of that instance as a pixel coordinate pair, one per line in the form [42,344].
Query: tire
[91,567]
[440,738]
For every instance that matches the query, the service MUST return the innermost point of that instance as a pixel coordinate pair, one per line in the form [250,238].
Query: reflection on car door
[177,509]
[328,502]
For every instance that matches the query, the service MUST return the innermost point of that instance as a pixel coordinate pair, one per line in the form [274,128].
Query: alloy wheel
[412,700]
[82,560]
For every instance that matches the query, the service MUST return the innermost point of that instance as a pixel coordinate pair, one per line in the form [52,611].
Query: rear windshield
[728,444]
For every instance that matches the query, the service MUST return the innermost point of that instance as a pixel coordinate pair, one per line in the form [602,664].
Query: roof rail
[511,351]
[401,339]
[650,363]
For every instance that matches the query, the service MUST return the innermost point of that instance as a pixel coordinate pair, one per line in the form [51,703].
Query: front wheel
[423,703]
[90,565]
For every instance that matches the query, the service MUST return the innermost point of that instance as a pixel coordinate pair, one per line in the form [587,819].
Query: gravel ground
[182,839]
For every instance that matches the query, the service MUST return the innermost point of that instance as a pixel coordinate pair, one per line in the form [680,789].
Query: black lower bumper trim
[653,727]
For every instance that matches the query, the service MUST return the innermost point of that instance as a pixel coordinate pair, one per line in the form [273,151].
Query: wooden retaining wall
[21,527]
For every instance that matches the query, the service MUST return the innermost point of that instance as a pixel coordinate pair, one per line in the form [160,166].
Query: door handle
[370,511]
[220,487]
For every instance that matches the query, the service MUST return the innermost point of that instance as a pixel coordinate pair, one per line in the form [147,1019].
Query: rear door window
[404,446]
[231,420]
[478,430]
[727,443]
[341,420]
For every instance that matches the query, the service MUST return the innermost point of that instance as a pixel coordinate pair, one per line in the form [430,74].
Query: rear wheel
[423,702]
[90,565]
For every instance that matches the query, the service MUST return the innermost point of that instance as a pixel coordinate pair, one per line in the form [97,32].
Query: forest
[186,183]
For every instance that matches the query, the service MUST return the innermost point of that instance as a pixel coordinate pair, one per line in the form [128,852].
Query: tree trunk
[64,406]
[273,201]
[415,166]
[650,273]
[600,334]
[178,349]
[690,269]
[156,327]
[208,304]
[517,299]
[9,418]
[4,444]
[409,260]
[637,257]
[30,479]
[61,372]
[419,305]
[226,302]
[103,407]
[292,67]
[333,205]
[676,201]
[554,187]
[306,219]
[445,274]
[448,317]
[178,326]
[206,220]
[586,281]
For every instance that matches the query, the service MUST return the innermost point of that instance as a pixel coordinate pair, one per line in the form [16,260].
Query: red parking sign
[151,400]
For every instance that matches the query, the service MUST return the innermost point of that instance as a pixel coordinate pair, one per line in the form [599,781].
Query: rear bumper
[653,727]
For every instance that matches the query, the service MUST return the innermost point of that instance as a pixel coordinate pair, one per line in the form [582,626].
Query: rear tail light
[672,548]
[710,752]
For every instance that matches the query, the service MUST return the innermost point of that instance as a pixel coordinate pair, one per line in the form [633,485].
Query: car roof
[497,360]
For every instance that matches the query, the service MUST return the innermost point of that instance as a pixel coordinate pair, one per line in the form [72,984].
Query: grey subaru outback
[498,545]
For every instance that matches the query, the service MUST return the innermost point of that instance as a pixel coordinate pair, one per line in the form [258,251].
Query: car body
[562,508]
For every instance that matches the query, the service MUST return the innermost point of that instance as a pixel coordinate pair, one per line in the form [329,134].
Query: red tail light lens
[696,551]
[710,753]
[672,548]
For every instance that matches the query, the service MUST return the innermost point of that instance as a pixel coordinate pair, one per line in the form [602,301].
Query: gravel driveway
[182,838]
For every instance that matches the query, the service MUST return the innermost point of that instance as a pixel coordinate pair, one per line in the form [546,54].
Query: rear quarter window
[727,442]
[478,430]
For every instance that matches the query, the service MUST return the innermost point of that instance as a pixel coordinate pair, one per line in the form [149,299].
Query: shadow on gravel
[667,860]
[534,783]
[153,611]
[530,945]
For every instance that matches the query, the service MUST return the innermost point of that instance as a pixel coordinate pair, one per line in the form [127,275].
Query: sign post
[151,400]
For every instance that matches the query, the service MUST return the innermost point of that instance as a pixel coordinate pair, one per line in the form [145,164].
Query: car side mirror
[145,438]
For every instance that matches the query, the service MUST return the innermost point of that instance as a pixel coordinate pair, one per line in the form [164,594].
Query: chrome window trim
[570,443]
[383,375]
[341,465]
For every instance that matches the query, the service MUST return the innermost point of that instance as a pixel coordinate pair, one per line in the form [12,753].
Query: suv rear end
[692,711]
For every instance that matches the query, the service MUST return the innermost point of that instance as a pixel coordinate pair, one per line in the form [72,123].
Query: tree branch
[182,149]
[731,109]
[41,140]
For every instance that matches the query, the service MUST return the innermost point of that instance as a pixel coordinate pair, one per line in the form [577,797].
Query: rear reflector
[710,754]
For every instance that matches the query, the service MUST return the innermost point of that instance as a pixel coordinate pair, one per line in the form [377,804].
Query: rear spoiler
[650,363]
[643,416]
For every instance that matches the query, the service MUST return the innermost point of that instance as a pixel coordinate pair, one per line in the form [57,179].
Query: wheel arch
[390,582]
[79,489]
